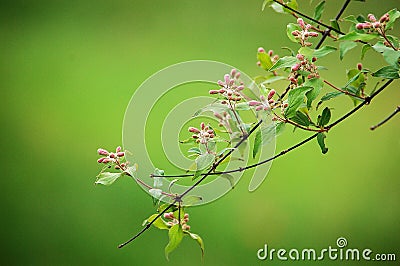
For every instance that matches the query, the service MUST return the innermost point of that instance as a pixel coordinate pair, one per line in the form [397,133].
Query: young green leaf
[316,84]
[204,160]
[344,47]
[301,119]
[194,150]
[296,98]
[387,72]
[391,56]
[107,178]
[198,240]
[364,49]
[324,118]
[286,61]
[328,96]
[265,60]
[323,51]
[394,14]
[355,36]
[289,29]
[230,178]
[321,142]
[257,143]
[175,235]
[319,9]
[159,223]
[335,24]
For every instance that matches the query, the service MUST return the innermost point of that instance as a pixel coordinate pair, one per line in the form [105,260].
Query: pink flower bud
[213,92]
[217,115]
[112,155]
[118,149]
[285,105]
[359,66]
[186,216]
[300,57]
[117,167]
[239,88]
[301,23]
[227,79]
[195,136]
[202,125]
[384,18]
[194,130]
[210,131]
[371,17]
[313,34]
[212,135]
[237,75]
[254,103]
[271,94]
[314,59]
[220,83]
[262,97]
[258,63]
[106,160]
[270,101]
[121,154]
[295,67]
[295,33]
[360,26]
[222,91]
[261,50]
[258,108]
[100,160]
[376,24]
[270,52]
[102,152]
[233,72]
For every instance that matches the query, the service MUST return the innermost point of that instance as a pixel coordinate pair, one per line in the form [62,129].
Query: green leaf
[301,118]
[242,106]
[344,47]
[391,56]
[316,84]
[328,96]
[286,61]
[355,36]
[204,160]
[257,143]
[289,29]
[159,223]
[323,51]
[387,72]
[394,14]
[265,3]
[198,240]
[306,51]
[265,60]
[296,98]
[194,150]
[364,49]
[319,9]
[324,118]
[335,24]
[175,235]
[321,141]
[107,178]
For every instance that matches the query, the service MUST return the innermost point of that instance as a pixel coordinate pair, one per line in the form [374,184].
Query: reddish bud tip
[193,130]
[271,94]
[100,160]
[301,23]
[227,78]
[261,50]
[254,103]
[371,17]
[102,152]
[202,125]
[233,72]
[258,63]
[213,92]
[314,59]
[376,24]
[300,57]
[118,149]
[295,67]
[360,26]
[121,154]
[112,155]
[270,52]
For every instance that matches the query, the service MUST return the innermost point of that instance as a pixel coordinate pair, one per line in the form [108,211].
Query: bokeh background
[68,70]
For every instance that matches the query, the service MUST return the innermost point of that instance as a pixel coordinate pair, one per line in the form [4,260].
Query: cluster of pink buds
[230,87]
[303,34]
[173,221]
[224,120]
[274,58]
[112,157]
[303,65]
[202,135]
[373,23]
[264,103]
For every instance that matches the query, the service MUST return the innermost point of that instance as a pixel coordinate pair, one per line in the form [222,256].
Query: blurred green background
[68,70]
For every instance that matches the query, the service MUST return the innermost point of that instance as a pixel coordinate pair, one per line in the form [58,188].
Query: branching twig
[345,92]
[386,119]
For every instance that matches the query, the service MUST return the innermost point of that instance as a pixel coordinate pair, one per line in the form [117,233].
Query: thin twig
[345,92]
[386,119]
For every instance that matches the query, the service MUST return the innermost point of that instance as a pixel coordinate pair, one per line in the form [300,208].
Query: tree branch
[386,119]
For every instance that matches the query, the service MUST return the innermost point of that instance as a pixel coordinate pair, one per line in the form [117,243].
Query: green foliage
[356,36]
[107,178]
[295,99]
[321,142]
[175,235]
[319,9]
[284,62]
[324,118]
[344,47]
[387,72]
